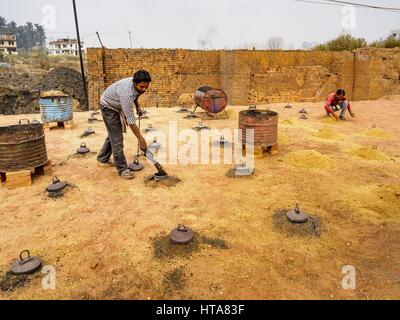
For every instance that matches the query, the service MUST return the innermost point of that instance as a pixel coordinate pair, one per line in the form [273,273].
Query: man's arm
[138,109]
[350,110]
[329,109]
[136,132]
[328,105]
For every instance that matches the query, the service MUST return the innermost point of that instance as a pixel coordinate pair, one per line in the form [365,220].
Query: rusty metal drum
[22,147]
[211,100]
[265,125]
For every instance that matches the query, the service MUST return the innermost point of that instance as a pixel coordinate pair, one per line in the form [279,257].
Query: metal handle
[297,210]
[22,260]
[20,121]
[55,180]
[83,145]
[182,228]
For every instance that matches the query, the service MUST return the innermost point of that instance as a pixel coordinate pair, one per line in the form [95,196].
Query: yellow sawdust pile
[53,93]
[233,114]
[290,122]
[307,159]
[376,133]
[329,120]
[376,200]
[370,153]
[283,139]
[327,133]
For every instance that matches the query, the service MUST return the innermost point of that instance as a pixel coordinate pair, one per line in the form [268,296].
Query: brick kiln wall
[248,76]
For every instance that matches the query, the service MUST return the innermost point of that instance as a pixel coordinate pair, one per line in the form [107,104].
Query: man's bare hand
[139,112]
[334,116]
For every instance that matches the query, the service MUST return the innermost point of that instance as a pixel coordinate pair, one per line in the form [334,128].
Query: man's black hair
[141,76]
[341,92]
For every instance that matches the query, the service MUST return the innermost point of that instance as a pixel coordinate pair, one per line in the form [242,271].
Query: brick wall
[247,76]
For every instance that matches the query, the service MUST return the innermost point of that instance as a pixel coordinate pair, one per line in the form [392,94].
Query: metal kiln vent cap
[57,185]
[89,130]
[297,216]
[243,170]
[136,165]
[83,149]
[182,235]
[26,266]
[150,128]
[155,144]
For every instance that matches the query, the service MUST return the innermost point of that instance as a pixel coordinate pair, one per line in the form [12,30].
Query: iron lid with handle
[83,149]
[57,185]
[297,216]
[182,235]
[25,266]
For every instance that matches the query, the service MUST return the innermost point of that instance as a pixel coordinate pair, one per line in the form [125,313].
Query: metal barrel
[211,100]
[22,147]
[56,109]
[265,126]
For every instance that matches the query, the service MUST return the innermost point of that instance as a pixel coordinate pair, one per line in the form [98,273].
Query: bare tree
[275,43]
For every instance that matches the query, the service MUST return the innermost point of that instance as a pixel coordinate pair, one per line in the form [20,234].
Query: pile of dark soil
[18,101]
[311,228]
[66,80]
[20,90]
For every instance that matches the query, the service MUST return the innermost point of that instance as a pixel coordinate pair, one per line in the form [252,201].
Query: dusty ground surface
[108,238]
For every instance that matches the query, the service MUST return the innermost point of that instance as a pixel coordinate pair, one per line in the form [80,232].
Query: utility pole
[80,52]
[130,38]
[98,36]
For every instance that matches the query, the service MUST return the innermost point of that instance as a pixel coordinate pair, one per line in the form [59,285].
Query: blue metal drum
[55,106]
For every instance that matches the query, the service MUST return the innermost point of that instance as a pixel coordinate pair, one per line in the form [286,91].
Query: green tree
[343,42]
[28,36]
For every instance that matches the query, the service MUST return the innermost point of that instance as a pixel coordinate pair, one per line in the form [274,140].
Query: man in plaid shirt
[116,106]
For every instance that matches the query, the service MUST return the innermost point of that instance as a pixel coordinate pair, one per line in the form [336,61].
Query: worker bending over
[338,101]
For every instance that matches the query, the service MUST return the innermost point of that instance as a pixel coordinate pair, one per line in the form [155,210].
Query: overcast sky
[213,24]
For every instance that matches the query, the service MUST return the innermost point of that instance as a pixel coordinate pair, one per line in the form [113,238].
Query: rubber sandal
[127,174]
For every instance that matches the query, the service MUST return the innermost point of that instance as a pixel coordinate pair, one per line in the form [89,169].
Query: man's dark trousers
[114,143]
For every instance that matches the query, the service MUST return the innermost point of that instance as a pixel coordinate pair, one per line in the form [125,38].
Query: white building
[8,44]
[64,47]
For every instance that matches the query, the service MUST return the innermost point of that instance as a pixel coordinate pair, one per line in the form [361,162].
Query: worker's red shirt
[332,101]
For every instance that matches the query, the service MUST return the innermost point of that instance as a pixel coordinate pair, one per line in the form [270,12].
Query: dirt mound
[290,122]
[376,133]
[329,120]
[283,139]
[66,80]
[370,154]
[18,101]
[377,201]
[307,159]
[19,91]
[327,133]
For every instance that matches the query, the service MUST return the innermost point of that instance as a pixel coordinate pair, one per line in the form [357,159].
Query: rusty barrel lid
[182,235]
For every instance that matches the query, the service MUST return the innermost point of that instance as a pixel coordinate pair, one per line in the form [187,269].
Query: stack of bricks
[279,76]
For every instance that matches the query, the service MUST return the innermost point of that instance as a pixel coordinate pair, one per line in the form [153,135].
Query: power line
[341,3]
[364,5]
